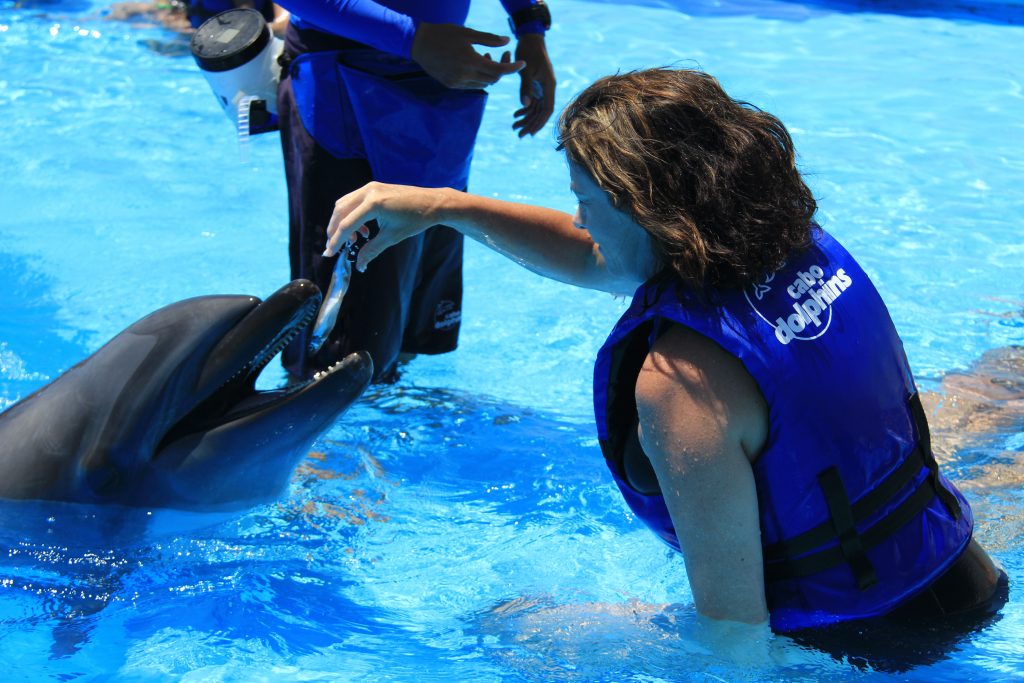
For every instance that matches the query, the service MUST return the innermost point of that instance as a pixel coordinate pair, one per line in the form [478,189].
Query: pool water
[460,525]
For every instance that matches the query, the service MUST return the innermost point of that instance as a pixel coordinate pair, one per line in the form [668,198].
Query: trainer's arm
[543,240]
[445,51]
[363,20]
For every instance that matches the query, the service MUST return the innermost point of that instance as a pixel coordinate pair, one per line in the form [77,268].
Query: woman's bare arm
[543,240]
[702,421]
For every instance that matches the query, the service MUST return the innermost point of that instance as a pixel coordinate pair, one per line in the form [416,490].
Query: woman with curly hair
[754,403]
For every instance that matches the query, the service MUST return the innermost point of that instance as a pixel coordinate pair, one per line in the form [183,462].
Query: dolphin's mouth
[269,327]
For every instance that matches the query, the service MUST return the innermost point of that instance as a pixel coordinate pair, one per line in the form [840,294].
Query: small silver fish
[328,314]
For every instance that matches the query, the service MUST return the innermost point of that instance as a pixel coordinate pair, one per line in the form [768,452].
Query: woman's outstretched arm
[543,240]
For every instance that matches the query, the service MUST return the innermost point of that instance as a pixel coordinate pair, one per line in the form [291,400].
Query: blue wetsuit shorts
[409,299]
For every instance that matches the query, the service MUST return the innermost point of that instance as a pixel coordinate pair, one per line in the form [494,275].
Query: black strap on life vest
[851,546]
[793,558]
[925,444]
[833,556]
[862,509]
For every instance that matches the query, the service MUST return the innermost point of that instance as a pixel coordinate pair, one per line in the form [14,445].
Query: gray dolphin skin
[166,414]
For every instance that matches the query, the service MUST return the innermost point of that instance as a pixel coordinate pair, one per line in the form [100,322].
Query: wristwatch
[536,17]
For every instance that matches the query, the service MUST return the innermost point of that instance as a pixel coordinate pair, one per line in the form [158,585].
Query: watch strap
[533,19]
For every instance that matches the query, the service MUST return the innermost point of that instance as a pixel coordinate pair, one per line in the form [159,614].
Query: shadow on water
[64,564]
[901,646]
[991,12]
[76,574]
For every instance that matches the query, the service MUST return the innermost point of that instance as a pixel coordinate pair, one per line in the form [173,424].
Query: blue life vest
[855,518]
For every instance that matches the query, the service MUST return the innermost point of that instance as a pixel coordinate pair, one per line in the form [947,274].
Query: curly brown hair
[712,179]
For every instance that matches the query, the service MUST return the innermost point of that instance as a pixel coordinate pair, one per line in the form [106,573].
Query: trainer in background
[392,91]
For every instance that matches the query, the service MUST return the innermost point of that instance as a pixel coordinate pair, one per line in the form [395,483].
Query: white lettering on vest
[814,295]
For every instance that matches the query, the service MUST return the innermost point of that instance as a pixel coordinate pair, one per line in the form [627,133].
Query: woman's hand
[401,211]
[536,87]
[445,51]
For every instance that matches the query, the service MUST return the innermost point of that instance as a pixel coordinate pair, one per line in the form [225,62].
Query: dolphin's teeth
[264,357]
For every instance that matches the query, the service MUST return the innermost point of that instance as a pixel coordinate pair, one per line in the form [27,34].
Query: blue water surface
[460,525]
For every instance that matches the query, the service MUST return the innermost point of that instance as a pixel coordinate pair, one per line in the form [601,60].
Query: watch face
[536,12]
[544,15]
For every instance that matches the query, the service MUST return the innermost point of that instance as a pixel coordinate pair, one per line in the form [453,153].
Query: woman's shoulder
[687,375]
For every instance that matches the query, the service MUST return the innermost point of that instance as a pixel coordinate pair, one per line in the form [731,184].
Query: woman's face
[626,247]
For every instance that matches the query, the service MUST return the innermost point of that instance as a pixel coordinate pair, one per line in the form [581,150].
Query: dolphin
[167,415]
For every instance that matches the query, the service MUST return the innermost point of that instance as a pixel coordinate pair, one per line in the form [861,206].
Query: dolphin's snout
[300,289]
[357,368]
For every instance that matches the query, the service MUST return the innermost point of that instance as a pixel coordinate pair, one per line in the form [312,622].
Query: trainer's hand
[537,86]
[445,51]
[401,211]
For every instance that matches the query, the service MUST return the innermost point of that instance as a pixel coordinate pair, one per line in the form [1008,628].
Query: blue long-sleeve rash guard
[387,25]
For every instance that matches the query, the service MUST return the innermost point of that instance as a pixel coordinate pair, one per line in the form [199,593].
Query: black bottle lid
[230,39]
